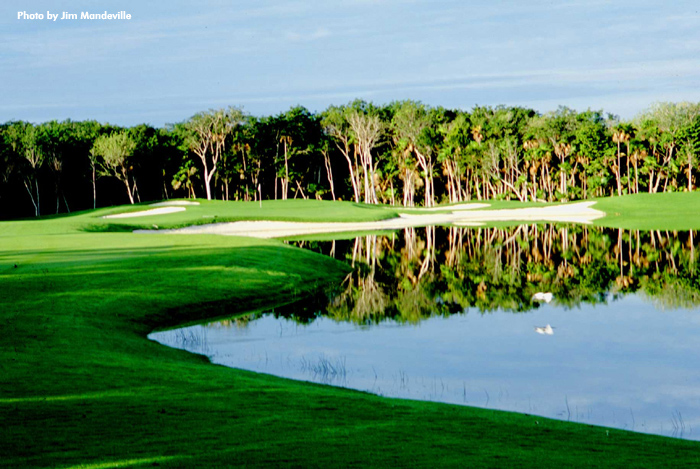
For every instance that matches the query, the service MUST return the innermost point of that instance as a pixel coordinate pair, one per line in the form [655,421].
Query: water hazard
[574,323]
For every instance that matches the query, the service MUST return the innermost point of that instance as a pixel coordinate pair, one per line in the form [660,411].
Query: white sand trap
[174,203]
[469,206]
[146,213]
[567,213]
[286,229]
[579,212]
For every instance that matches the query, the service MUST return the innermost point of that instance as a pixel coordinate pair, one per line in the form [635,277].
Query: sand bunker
[287,229]
[146,213]
[469,206]
[174,203]
[567,213]
[579,212]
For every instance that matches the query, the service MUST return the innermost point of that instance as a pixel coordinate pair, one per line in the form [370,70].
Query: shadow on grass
[162,287]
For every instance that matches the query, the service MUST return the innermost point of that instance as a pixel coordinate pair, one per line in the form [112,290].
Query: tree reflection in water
[425,272]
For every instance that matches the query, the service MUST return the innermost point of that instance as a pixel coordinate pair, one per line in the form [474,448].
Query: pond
[574,323]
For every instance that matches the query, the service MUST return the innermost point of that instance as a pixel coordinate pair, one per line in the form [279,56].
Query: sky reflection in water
[623,364]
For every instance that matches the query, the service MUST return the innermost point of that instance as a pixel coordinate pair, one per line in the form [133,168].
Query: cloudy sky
[179,57]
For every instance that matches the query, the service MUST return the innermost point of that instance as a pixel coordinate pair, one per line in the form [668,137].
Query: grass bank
[667,211]
[81,386]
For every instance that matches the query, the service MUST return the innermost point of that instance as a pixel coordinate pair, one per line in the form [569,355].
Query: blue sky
[176,58]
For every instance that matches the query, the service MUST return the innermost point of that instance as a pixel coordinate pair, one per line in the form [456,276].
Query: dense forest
[403,153]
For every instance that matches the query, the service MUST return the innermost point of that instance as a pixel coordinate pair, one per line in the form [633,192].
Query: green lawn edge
[670,211]
[81,386]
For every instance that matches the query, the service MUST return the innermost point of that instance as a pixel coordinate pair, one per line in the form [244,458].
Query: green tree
[337,127]
[300,135]
[455,139]
[674,122]
[184,178]
[207,134]
[367,128]
[414,135]
[115,151]
[561,130]
[590,146]
[23,139]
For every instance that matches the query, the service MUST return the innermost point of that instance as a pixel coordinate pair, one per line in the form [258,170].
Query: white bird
[539,296]
[549,330]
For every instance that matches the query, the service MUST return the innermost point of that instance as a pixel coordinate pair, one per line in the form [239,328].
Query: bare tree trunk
[300,190]
[128,191]
[94,188]
[617,171]
[690,171]
[367,130]
[366,180]
[329,172]
[206,179]
[31,196]
[426,164]
[285,185]
[136,191]
[627,160]
[65,201]
[354,177]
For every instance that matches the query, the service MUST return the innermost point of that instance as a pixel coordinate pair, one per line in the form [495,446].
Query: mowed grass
[667,211]
[82,386]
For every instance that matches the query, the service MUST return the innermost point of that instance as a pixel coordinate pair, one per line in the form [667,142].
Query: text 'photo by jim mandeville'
[65,15]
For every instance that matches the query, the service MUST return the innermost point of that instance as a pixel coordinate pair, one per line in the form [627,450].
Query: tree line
[403,153]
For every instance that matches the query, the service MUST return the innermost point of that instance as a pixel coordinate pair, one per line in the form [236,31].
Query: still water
[454,320]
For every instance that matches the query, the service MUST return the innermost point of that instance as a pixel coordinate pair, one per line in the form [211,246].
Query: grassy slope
[669,211]
[80,384]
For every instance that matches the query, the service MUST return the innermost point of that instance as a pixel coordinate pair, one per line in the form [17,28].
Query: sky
[173,59]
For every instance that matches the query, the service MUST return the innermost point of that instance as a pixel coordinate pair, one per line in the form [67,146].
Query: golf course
[82,386]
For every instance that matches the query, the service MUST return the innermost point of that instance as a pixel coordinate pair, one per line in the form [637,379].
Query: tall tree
[367,129]
[114,151]
[300,135]
[335,124]
[456,138]
[54,138]
[590,145]
[675,122]
[77,140]
[207,137]
[621,133]
[24,140]
[413,133]
[8,161]
[560,131]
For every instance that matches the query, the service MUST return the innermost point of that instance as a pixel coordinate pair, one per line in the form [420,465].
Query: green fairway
[82,386]
[666,211]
